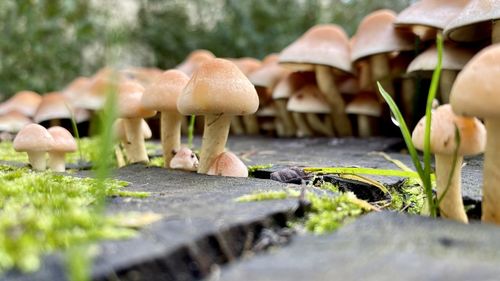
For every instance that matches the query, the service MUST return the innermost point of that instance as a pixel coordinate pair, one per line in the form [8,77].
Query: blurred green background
[44,44]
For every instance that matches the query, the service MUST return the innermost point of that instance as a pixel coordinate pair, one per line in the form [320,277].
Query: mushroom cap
[425,17]
[129,101]
[218,86]
[227,164]
[323,44]
[475,91]
[376,35]
[33,137]
[163,93]
[53,106]
[13,122]
[291,82]
[194,60]
[268,75]
[143,75]
[63,140]
[454,58]
[308,99]
[474,22]
[25,102]
[104,82]
[472,133]
[365,103]
[247,65]
[76,88]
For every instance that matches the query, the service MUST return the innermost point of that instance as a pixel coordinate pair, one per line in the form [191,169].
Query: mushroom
[323,49]
[218,90]
[475,93]
[35,140]
[228,165]
[443,144]
[55,106]
[63,143]
[120,134]
[25,102]
[194,60]
[477,21]
[184,159]
[366,107]
[162,95]
[13,122]
[131,110]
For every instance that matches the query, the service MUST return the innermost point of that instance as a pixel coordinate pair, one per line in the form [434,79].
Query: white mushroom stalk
[214,139]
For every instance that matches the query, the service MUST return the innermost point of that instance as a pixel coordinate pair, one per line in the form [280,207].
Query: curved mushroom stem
[214,139]
[451,206]
[327,86]
[236,126]
[57,161]
[289,127]
[407,97]
[171,123]
[365,79]
[136,148]
[491,174]
[495,32]
[303,129]
[446,82]
[365,126]
[380,72]
[318,125]
[251,124]
[37,160]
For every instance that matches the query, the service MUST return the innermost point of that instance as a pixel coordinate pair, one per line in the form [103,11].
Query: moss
[408,196]
[268,195]
[156,162]
[252,169]
[43,212]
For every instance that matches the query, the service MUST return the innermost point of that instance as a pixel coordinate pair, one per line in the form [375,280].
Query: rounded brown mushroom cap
[454,58]
[308,99]
[426,17]
[13,122]
[25,102]
[324,44]
[53,106]
[129,101]
[33,137]
[194,60]
[474,22]
[218,87]
[228,165]
[376,35]
[365,103]
[476,88]
[471,130]
[163,93]
[63,140]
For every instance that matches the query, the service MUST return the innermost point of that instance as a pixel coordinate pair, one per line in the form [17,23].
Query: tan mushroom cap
[63,140]
[25,102]
[13,122]
[33,137]
[365,103]
[308,99]
[129,101]
[217,87]
[476,88]
[425,17]
[472,133]
[291,82]
[454,58]
[247,65]
[324,44]
[77,87]
[473,23]
[376,35]
[163,93]
[268,75]
[194,60]
[103,83]
[53,106]
[228,165]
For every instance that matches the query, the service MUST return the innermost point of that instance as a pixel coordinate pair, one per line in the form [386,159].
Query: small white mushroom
[34,140]
[63,143]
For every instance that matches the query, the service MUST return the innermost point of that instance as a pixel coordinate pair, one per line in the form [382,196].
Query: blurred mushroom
[218,90]
[24,102]
[323,49]
[63,143]
[366,107]
[443,144]
[35,140]
[194,60]
[13,122]
[227,164]
[55,106]
[162,96]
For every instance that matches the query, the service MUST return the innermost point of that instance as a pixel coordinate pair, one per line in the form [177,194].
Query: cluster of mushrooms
[322,84]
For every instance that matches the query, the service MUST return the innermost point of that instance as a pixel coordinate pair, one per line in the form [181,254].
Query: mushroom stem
[185,125]
[365,126]
[214,139]
[380,72]
[326,84]
[316,124]
[136,148]
[286,117]
[251,124]
[120,159]
[171,123]
[491,174]
[446,82]
[303,129]
[236,126]
[495,32]
[55,122]
[57,161]
[37,160]
[365,79]
[451,205]
[407,97]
